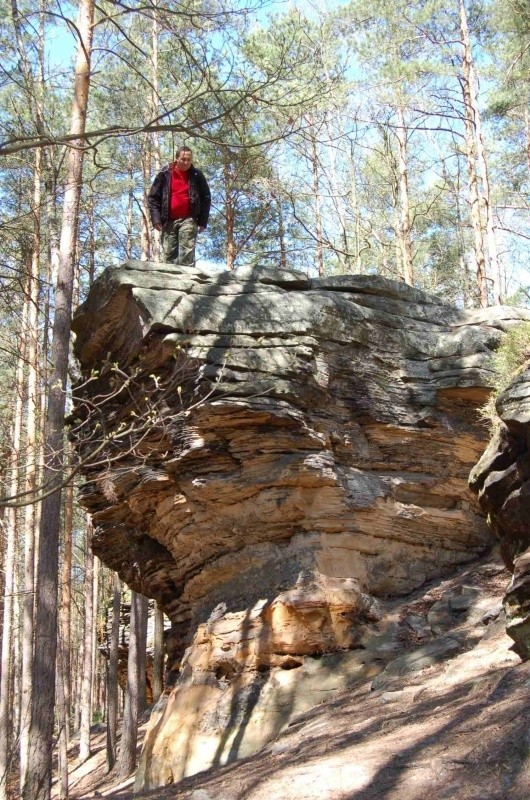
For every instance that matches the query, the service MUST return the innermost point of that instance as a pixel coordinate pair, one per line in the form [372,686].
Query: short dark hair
[183,149]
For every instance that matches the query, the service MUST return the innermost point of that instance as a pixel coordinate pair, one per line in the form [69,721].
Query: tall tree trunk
[354,203]
[474,198]
[88,650]
[155,235]
[127,758]
[130,206]
[281,234]
[9,569]
[338,202]
[65,602]
[316,193]
[230,217]
[158,654]
[527,137]
[404,204]
[30,513]
[91,242]
[472,98]
[142,654]
[112,675]
[62,715]
[146,228]
[38,779]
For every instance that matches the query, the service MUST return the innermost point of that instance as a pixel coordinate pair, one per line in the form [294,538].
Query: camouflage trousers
[178,241]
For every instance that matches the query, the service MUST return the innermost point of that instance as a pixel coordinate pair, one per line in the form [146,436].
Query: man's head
[183,158]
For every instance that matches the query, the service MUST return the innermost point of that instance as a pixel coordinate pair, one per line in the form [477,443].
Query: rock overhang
[324,455]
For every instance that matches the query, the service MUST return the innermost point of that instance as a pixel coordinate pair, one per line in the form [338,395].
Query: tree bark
[404,204]
[146,228]
[158,655]
[127,757]
[30,513]
[9,570]
[88,650]
[142,655]
[527,137]
[37,785]
[318,211]
[474,198]
[112,675]
[470,76]
[230,218]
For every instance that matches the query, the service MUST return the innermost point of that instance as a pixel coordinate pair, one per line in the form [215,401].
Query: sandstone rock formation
[502,481]
[270,457]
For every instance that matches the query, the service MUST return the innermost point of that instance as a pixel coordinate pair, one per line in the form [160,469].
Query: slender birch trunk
[38,779]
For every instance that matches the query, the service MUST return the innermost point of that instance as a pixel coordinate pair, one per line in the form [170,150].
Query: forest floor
[426,729]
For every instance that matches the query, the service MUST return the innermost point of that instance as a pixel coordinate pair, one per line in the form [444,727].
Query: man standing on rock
[179,203]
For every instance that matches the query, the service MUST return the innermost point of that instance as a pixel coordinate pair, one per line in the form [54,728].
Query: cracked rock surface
[283,456]
[502,482]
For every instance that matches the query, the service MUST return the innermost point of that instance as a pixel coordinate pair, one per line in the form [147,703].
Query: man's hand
[157,226]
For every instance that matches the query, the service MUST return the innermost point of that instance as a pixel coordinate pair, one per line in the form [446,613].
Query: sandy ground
[455,728]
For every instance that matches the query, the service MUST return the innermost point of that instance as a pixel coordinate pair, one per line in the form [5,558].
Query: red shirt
[179,194]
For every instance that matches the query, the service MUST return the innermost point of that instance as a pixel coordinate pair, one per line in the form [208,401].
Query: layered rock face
[502,481]
[272,457]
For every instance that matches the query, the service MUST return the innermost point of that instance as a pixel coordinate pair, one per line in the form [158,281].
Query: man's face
[183,161]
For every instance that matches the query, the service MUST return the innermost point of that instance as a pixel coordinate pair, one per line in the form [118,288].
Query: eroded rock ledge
[502,481]
[306,457]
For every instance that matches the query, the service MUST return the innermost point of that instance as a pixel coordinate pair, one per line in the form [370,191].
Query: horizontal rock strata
[270,457]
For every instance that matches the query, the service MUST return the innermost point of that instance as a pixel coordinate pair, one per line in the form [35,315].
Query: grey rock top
[273,319]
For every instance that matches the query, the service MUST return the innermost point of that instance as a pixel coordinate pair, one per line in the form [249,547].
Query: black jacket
[200,198]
